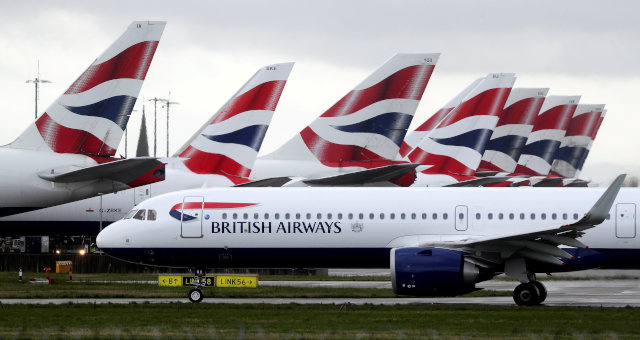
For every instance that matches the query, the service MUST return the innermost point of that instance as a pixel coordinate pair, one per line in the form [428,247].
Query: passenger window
[308,216]
[297,216]
[490,216]
[402,216]
[522,216]
[130,214]
[371,216]
[287,216]
[413,216]
[245,216]
[608,216]
[554,216]
[500,216]
[256,216]
[151,215]
[224,216]
[339,216]
[329,216]
[382,216]
[361,216]
[266,216]
[392,216]
[319,216]
[235,216]
[434,216]
[140,214]
[477,216]
[277,216]
[511,216]
[564,216]
[445,216]
[533,216]
[424,216]
[543,216]
[350,216]
[575,216]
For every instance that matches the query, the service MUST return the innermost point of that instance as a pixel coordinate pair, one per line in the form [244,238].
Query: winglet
[600,210]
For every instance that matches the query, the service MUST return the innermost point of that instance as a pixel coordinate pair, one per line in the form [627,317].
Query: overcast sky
[209,49]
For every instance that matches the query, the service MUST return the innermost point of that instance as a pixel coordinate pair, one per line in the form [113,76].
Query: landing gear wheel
[196,295]
[526,294]
[541,289]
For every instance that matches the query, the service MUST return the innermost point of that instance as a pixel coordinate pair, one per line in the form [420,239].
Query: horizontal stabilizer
[127,171]
[476,182]
[267,182]
[381,174]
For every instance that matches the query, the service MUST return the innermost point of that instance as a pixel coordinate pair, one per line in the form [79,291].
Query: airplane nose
[107,238]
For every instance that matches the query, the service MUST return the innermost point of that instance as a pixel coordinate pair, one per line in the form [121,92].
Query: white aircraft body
[436,241]
[220,153]
[67,153]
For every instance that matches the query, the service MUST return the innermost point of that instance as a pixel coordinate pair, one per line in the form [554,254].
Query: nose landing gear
[195,294]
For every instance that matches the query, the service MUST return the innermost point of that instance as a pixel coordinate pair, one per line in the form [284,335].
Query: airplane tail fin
[228,143]
[89,118]
[456,145]
[412,139]
[514,126]
[370,122]
[577,141]
[546,135]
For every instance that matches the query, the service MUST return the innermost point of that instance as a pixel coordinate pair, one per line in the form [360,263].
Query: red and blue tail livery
[456,145]
[546,135]
[369,123]
[513,129]
[577,141]
[229,142]
[90,117]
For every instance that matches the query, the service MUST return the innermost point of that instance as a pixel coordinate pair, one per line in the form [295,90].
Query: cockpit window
[130,214]
[140,214]
[151,215]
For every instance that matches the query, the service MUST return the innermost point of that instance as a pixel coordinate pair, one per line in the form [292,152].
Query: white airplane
[436,241]
[67,153]
[220,153]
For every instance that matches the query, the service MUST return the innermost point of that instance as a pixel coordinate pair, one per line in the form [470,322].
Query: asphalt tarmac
[592,293]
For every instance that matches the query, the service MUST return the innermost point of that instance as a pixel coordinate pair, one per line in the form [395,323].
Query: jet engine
[431,272]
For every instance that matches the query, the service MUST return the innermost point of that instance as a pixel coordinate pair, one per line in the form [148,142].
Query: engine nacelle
[431,272]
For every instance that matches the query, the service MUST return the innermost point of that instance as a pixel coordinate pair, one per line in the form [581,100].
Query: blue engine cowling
[431,272]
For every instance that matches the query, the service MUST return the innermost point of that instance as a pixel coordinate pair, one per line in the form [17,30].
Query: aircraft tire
[196,295]
[526,294]
[541,289]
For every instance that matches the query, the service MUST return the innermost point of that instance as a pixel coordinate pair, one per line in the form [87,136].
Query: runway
[588,293]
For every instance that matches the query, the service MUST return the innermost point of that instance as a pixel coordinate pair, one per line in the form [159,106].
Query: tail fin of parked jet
[577,141]
[456,145]
[510,135]
[370,122]
[594,133]
[425,128]
[90,117]
[228,143]
[546,136]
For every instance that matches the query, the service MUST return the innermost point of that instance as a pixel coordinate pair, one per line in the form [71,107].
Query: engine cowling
[421,271]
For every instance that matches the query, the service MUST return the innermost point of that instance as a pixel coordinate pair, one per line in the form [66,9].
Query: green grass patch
[260,321]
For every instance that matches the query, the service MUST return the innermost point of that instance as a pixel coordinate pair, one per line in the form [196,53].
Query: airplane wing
[537,244]
[375,175]
[132,172]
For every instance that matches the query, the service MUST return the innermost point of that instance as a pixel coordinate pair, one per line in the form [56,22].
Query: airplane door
[461,217]
[141,193]
[625,220]
[191,216]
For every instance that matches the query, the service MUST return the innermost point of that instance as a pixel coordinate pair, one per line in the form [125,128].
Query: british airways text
[302,227]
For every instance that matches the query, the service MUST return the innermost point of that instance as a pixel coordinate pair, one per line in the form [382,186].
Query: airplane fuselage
[357,227]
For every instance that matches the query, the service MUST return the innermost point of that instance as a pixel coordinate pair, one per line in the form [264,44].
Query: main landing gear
[195,294]
[530,293]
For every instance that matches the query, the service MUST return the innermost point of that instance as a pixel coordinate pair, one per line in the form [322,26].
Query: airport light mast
[167,104]
[155,101]
[37,81]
